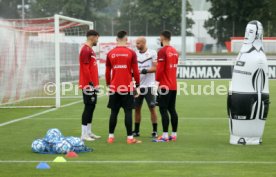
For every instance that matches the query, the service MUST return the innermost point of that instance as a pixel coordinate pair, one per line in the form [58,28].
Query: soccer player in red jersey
[88,82]
[121,62]
[166,71]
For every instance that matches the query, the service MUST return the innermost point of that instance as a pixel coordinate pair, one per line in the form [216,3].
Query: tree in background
[143,16]
[84,9]
[8,8]
[271,25]
[150,17]
[229,18]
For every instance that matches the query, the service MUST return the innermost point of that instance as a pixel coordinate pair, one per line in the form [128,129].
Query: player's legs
[114,103]
[112,123]
[87,115]
[138,114]
[89,123]
[153,116]
[173,114]
[150,98]
[128,105]
[128,125]
[128,121]
[138,107]
[165,121]
[90,111]
[113,120]
[85,118]
[163,102]
[137,121]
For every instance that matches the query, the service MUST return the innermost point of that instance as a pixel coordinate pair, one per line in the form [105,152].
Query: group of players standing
[154,75]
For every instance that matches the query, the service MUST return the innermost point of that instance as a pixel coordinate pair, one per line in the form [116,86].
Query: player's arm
[152,69]
[86,59]
[134,67]
[154,63]
[160,69]
[107,70]
[136,74]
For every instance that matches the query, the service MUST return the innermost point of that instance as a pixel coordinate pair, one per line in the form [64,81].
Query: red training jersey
[121,62]
[167,68]
[88,67]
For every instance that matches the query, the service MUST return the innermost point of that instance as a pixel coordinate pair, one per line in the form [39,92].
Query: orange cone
[71,154]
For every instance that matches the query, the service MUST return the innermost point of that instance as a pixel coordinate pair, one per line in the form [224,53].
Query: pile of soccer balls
[55,143]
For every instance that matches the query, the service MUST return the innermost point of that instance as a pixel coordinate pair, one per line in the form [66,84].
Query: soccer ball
[62,147]
[39,146]
[74,141]
[53,135]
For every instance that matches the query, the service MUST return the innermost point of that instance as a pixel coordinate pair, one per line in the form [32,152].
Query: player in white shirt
[147,60]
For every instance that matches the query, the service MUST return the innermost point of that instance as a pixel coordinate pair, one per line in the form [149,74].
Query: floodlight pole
[183,31]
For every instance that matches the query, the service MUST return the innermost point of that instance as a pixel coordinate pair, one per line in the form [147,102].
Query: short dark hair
[92,33]
[121,34]
[167,34]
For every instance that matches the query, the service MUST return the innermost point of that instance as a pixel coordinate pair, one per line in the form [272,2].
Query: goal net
[37,55]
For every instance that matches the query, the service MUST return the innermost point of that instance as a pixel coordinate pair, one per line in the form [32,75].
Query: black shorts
[124,100]
[166,100]
[148,94]
[89,97]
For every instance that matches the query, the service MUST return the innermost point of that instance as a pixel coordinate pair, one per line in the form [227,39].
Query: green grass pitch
[202,148]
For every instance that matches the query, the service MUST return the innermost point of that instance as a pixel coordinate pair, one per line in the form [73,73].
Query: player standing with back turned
[121,62]
[166,71]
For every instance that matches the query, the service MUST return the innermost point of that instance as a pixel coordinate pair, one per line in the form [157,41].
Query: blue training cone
[43,165]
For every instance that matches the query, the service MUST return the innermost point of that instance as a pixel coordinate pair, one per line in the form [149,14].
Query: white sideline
[146,162]
[37,114]
[104,118]
[40,113]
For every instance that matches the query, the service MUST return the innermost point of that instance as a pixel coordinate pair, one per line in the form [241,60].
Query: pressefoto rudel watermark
[183,88]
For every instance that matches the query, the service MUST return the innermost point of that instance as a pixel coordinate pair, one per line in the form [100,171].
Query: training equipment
[36,56]
[43,165]
[53,136]
[74,141]
[59,159]
[71,154]
[39,146]
[268,42]
[62,147]
[55,143]
[248,99]
[77,144]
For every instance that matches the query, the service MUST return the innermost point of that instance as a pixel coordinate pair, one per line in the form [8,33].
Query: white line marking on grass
[38,114]
[145,162]
[104,118]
